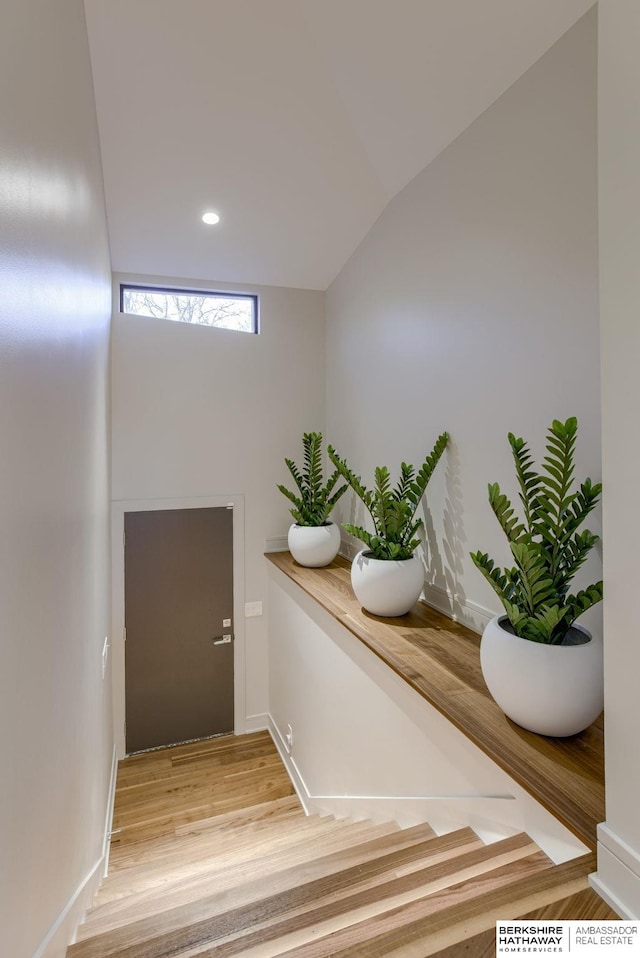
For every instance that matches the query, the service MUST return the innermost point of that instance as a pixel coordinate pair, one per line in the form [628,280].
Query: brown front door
[178,594]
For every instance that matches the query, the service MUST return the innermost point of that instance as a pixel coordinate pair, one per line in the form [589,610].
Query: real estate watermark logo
[580,939]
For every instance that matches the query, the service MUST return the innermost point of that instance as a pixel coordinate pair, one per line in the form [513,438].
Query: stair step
[215,858]
[584,905]
[205,841]
[200,843]
[430,933]
[166,815]
[221,749]
[354,841]
[297,908]
[255,815]
[165,790]
[164,765]
[183,862]
[357,932]
[189,780]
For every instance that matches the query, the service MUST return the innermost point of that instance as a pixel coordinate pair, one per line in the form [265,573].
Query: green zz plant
[313,502]
[547,547]
[392,510]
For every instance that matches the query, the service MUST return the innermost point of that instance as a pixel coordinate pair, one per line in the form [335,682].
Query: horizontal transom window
[238,311]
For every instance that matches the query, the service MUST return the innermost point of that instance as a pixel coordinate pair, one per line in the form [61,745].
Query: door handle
[223,639]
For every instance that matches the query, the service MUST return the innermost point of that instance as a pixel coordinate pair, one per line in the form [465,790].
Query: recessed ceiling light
[210,218]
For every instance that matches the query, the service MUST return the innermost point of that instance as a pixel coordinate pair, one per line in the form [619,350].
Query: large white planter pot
[314,546]
[386,587]
[549,689]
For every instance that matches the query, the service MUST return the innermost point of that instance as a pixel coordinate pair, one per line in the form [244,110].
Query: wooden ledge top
[440,660]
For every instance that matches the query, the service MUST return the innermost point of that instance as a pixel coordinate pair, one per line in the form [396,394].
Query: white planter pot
[549,689]
[386,587]
[314,546]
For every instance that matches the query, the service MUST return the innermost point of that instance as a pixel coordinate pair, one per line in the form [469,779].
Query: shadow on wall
[443,568]
[357,516]
[443,561]
[443,575]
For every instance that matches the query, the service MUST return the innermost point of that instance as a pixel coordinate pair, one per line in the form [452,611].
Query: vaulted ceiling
[296,120]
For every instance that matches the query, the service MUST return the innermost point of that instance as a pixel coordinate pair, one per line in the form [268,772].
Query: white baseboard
[256,723]
[62,932]
[293,771]
[276,544]
[491,816]
[617,879]
[106,844]
[470,614]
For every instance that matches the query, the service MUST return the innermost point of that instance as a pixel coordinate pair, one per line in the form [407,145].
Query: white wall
[366,745]
[203,412]
[619,194]
[472,306]
[55,725]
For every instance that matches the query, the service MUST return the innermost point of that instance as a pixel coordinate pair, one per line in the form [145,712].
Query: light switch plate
[252,608]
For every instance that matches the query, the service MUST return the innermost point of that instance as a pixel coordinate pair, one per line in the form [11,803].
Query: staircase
[191,876]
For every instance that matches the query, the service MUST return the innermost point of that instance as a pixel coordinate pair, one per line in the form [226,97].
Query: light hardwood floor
[212,855]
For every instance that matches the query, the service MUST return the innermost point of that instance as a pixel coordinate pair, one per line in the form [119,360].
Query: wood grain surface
[440,660]
[583,906]
[262,879]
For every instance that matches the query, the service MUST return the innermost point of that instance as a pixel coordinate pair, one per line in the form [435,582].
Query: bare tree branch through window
[201,309]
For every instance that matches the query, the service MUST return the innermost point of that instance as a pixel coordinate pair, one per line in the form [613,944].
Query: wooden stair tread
[319,931]
[167,791]
[149,783]
[197,805]
[583,905]
[353,845]
[162,767]
[200,843]
[265,911]
[415,929]
[355,863]
[255,815]
[217,745]
[263,846]
[196,883]
[188,780]
[423,933]
[207,842]
[261,879]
